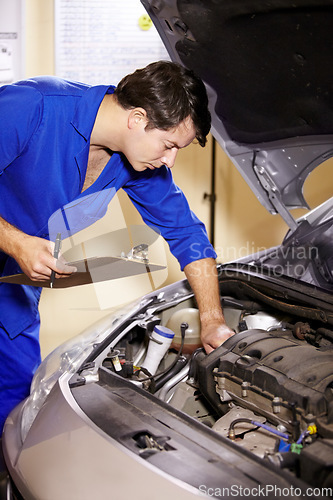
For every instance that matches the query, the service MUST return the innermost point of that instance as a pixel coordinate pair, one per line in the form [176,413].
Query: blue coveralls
[45,128]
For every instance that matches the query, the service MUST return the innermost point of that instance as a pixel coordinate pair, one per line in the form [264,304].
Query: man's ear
[137,116]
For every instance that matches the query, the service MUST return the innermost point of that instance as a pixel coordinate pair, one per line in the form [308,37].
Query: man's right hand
[36,260]
[34,255]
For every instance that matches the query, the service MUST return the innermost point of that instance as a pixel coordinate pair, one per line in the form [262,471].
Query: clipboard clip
[139,252]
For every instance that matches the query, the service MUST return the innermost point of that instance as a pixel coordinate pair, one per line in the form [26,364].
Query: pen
[57,247]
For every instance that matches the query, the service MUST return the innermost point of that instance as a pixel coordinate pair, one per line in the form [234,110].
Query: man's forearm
[202,276]
[11,238]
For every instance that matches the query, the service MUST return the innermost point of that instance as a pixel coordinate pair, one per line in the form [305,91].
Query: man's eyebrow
[175,145]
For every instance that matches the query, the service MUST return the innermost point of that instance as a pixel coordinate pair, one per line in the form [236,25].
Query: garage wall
[242,224]
[39,37]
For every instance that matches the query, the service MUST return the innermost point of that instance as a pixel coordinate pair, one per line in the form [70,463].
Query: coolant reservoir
[190,315]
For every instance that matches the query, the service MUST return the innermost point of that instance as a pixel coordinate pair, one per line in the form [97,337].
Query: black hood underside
[273,59]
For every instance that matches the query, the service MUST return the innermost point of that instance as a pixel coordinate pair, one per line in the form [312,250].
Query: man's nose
[169,157]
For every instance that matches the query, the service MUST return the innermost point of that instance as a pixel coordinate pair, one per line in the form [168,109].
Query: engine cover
[273,374]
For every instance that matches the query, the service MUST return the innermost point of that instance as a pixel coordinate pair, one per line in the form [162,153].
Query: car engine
[268,389]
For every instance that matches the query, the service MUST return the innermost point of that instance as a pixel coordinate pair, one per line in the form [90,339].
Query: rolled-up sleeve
[163,207]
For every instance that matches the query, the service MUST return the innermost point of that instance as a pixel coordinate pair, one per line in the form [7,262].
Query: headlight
[64,359]
[67,358]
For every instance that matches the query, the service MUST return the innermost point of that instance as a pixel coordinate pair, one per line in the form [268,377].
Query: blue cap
[164,331]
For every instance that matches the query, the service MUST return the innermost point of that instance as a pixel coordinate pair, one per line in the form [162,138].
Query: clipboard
[91,270]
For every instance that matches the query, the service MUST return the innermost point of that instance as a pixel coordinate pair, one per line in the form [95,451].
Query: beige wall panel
[39,37]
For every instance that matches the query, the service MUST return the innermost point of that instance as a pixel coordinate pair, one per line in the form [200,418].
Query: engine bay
[268,389]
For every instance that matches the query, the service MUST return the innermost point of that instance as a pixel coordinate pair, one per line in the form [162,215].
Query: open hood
[268,72]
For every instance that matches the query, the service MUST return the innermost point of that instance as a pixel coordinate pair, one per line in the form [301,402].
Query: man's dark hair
[169,94]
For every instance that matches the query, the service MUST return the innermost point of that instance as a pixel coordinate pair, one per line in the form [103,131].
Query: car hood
[266,67]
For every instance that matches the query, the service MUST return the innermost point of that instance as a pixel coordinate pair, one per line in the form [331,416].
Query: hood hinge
[274,196]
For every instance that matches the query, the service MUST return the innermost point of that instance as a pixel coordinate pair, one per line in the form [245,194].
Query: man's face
[152,148]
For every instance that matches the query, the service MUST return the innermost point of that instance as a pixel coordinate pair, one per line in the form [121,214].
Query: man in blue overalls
[61,141]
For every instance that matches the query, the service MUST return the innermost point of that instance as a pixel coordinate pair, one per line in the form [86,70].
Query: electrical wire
[257,424]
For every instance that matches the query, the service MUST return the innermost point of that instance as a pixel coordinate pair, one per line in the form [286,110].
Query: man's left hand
[214,334]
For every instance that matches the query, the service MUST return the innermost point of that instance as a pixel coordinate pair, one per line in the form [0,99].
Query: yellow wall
[39,32]
[242,224]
